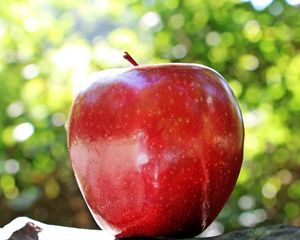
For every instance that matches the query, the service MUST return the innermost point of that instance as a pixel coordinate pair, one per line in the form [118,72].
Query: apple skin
[156,149]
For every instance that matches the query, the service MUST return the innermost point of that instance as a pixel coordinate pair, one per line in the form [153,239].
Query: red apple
[156,149]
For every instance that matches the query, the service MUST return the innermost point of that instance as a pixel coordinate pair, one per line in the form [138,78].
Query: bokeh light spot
[291,209]
[58,119]
[30,71]
[52,189]
[31,24]
[246,202]
[252,31]
[260,5]
[12,166]
[213,38]
[251,218]
[293,2]
[23,131]
[249,62]
[179,51]
[15,109]
[294,190]
[151,20]
[285,176]
[177,21]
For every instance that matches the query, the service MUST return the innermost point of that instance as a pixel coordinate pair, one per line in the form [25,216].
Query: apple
[156,149]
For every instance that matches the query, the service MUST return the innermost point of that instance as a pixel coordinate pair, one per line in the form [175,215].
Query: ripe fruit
[156,149]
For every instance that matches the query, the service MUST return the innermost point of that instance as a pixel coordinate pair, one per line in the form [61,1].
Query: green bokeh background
[47,48]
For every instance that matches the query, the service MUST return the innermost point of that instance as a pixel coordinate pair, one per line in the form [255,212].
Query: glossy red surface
[156,149]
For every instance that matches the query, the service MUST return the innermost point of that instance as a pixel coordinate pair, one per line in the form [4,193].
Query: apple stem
[130,59]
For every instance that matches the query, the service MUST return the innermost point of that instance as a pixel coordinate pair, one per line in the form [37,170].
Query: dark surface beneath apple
[270,232]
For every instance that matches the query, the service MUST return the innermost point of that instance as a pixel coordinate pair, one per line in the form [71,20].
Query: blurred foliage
[49,47]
